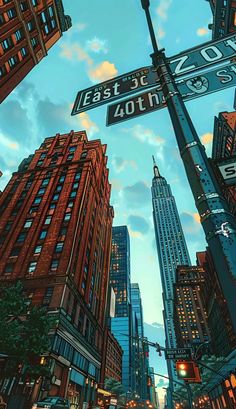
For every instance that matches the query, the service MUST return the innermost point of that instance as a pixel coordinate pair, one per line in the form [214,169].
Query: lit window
[59,247]
[32,266]
[38,249]
[28,223]
[48,220]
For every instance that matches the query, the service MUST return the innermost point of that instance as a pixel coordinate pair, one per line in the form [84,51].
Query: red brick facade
[112,358]
[55,234]
[28,29]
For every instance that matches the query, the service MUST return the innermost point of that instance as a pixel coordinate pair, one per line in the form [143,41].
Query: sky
[110,38]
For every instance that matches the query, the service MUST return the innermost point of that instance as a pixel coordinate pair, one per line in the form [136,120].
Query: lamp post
[218,223]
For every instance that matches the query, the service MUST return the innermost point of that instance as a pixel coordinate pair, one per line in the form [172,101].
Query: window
[2,19]
[67,217]
[34,2]
[3,71]
[48,220]
[38,249]
[62,178]
[21,237]
[48,296]
[13,61]
[45,182]
[31,25]
[54,265]
[72,148]
[59,247]
[11,13]
[15,251]
[78,175]
[7,44]
[83,155]
[58,188]
[41,191]
[23,52]
[24,6]
[8,226]
[73,193]
[43,234]
[34,42]
[70,157]
[28,223]
[9,268]
[37,200]
[33,209]
[32,266]
[19,35]
[55,197]
[39,163]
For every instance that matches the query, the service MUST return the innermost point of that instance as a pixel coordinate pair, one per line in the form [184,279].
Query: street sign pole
[217,221]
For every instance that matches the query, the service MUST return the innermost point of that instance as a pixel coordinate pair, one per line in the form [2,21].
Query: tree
[116,388]
[24,332]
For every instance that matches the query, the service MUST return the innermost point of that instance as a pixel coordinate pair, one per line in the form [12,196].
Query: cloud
[75,52]
[163,8]
[145,135]
[52,118]
[14,121]
[120,164]
[138,224]
[191,223]
[207,138]
[8,143]
[137,195]
[102,72]
[116,184]
[87,124]
[80,26]
[202,31]
[97,45]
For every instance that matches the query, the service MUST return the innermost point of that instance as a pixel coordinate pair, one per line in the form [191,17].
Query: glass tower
[171,249]
[120,281]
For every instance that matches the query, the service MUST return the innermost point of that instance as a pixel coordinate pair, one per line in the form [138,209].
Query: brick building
[224,17]
[55,236]
[112,357]
[28,29]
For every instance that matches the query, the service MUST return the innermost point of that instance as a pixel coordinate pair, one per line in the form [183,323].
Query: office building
[172,251]
[121,324]
[55,236]
[189,306]
[28,29]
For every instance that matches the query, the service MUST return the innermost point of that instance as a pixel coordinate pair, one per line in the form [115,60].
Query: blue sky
[110,38]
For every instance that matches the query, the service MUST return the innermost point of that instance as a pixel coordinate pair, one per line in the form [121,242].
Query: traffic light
[188,371]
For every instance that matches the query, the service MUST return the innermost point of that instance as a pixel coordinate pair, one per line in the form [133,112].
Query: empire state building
[171,248]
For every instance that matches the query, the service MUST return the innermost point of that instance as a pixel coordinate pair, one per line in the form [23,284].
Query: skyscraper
[190,310]
[55,236]
[141,363]
[28,29]
[171,249]
[121,324]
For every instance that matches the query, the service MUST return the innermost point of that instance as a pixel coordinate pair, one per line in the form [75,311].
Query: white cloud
[163,8]
[97,45]
[8,143]
[145,135]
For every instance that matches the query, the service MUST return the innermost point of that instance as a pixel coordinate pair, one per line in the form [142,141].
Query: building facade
[55,229]
[112,357]
[171,249]
[28,29]
[140,359]
[224,17]
[121,324]
[189,306]
[224,155]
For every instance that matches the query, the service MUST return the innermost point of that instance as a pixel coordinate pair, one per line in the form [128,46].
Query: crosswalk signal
[188,371]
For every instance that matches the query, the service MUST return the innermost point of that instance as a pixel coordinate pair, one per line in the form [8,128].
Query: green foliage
[23,332]
[113,386]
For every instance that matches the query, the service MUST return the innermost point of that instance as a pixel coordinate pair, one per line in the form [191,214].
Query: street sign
[228,171]
[193,59]
[189,88]
[196,58]
[115,88]
[178,353]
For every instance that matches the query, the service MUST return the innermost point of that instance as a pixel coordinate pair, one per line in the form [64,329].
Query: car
[52,402]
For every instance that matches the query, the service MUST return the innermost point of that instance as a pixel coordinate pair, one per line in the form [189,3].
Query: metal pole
[218,223]
[190,396]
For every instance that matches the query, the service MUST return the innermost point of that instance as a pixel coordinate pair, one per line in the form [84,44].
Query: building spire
[155,169]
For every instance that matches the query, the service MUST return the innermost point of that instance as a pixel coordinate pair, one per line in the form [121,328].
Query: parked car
[52,402]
